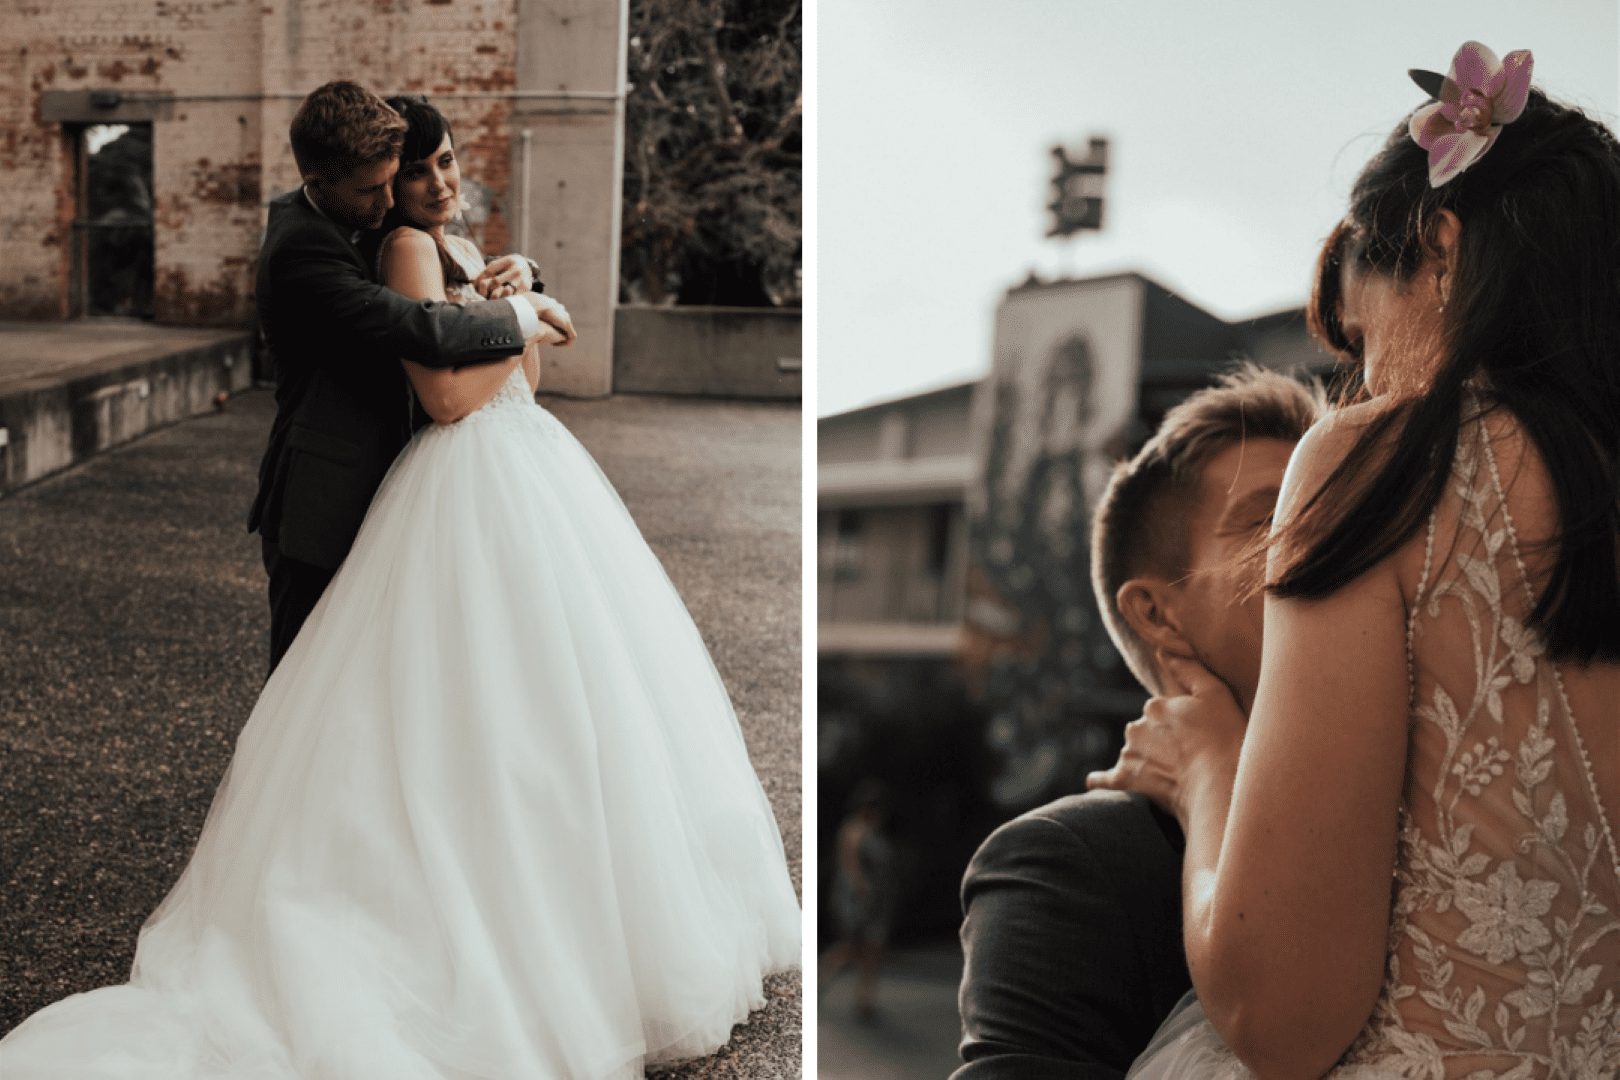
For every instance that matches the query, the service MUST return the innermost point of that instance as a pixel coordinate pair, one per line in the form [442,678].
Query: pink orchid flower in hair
[1479,95]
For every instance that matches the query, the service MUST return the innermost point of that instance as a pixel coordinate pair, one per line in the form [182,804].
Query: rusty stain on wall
[183,301]
[230,182]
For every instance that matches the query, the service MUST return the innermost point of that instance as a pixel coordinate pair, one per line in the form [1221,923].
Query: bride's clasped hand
[1185,745]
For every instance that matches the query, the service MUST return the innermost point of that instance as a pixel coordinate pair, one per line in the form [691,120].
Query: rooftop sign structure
[1077,189]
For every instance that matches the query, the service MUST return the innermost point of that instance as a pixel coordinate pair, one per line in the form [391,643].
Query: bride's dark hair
[425,129]
[425,126]
[1534,312]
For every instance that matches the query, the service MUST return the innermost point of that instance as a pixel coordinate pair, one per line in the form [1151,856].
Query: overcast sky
[1237,129]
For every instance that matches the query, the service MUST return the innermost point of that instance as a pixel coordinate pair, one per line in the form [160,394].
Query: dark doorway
[112,271]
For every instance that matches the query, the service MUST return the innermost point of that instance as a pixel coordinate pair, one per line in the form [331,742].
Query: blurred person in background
[864,887]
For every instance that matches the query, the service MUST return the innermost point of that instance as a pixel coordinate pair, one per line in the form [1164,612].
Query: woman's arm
[1287,907]
[1291,843]
[303,277]
[410,266]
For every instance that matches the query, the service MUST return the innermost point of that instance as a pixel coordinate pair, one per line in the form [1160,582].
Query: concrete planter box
[57,419]
[707,351]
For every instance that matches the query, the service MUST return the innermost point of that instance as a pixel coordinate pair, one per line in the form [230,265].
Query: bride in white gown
[492,816]
[1407,864]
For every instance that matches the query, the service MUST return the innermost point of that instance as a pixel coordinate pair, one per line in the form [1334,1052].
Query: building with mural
[961,657]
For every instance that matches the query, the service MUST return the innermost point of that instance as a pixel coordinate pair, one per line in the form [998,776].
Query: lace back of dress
[1505,939]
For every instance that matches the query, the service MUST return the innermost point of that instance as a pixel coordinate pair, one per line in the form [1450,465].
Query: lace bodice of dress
[515,390]
[1504,949]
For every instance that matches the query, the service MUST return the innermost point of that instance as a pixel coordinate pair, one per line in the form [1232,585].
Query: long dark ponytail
[1535,311]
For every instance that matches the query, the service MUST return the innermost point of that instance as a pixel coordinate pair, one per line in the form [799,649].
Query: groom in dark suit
[336,337]
[1072,934]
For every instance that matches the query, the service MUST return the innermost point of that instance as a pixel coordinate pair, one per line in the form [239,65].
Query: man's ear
[1148,605]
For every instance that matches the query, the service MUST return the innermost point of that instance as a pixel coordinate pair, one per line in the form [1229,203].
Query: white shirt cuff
[528,321]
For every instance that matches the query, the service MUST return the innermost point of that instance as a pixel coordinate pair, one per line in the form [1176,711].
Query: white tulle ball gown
[492,816]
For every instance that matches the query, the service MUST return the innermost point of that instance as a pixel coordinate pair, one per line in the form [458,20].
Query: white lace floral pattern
[515,390]
[1504,942]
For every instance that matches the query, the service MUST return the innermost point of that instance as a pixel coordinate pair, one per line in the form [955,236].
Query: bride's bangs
[426,127]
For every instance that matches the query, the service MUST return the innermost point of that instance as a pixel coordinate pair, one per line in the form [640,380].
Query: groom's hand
[553,314]
[505,276]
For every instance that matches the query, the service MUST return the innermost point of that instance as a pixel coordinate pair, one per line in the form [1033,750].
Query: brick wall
[236,70]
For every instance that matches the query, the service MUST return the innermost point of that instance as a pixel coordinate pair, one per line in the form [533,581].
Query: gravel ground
[133,636]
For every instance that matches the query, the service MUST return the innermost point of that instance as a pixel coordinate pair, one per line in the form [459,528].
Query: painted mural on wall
[1037,657]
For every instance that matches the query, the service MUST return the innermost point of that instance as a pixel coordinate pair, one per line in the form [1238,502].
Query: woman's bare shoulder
[1340,428]
[408,261]
[406,246]
[409,240]
[1325,447]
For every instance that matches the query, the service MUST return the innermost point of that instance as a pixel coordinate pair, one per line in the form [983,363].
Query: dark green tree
[712,166]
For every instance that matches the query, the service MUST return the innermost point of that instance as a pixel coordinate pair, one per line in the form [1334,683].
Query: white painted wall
[1031,323]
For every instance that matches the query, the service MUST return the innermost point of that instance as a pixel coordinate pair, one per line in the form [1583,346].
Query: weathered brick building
[534,90]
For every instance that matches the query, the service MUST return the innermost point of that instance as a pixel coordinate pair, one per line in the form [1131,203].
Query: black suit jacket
[343,407]
[1072,938]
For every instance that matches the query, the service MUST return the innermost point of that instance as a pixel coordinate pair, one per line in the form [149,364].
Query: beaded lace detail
[515,390]
[1504,948]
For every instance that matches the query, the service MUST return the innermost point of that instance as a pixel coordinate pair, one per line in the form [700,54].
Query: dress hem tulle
[491,818]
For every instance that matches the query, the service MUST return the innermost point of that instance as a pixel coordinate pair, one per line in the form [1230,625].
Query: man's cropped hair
[1140,523]
[341,126]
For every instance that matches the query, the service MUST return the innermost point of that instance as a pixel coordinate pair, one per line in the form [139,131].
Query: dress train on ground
[492,816]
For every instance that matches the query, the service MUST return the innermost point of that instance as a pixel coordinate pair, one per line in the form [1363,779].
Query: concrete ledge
[56,418]
[889,639]
[893,483]
[707,351]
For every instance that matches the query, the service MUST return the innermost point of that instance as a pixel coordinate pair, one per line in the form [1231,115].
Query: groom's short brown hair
[341,125]
[1140,524]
